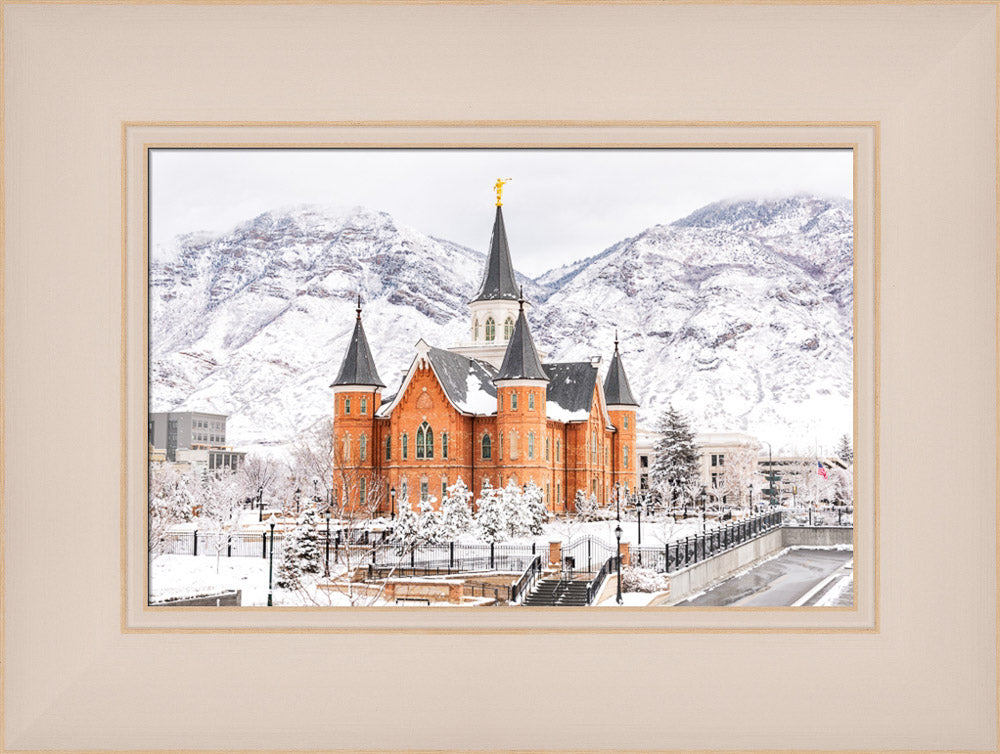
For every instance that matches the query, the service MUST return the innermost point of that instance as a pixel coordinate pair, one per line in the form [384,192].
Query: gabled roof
[358,367]
[467,383]
[521,361]
[498,280]
[617,391]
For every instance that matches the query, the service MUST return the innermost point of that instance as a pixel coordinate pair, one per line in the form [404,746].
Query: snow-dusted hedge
[639,579]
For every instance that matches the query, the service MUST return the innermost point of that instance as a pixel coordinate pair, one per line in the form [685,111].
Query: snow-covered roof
[570,390]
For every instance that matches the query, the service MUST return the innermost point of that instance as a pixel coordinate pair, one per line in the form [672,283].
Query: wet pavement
[798,577]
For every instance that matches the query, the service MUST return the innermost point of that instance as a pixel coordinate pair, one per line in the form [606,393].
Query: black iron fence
[693,549]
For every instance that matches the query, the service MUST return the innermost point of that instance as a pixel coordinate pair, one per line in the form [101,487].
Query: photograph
[501,377]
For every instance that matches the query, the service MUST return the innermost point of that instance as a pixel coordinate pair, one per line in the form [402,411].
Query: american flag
[821,470]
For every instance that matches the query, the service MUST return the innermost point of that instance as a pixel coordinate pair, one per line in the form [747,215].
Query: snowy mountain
[739,313]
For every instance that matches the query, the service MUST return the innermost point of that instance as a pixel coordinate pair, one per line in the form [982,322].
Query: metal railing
[595,583]
[694,549]
[524,584]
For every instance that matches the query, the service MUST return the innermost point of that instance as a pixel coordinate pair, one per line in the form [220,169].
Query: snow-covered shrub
[639,579]
[301,553]
[491,518]
[456,511]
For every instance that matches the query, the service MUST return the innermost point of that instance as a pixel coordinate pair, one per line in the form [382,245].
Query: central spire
[498,280]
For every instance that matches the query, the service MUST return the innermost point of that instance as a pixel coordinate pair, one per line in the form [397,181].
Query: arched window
[388,448]
[558,451]
[513,401]
[425,441]
[625,456]
[531,445]
[404,490]
[364,406]
[423,489]
[475,329]
[444,444]
[486,446]
[491,329]
[346,452]
[508,328]
[501,446]
[347,405]
[405,445]
[547,448]
[363,448]
[626,421]
[531,401]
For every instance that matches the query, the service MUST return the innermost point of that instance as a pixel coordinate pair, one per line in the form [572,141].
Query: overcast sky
[561,205]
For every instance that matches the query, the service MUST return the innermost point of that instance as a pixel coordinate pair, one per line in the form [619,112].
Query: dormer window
[491,329]
[508,328]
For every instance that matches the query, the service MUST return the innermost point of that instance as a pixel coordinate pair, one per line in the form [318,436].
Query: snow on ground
[188,575]
[841,594]
[632,599]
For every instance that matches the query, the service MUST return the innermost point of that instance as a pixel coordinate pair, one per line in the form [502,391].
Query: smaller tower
[621,408]
[521,417]
[357,394]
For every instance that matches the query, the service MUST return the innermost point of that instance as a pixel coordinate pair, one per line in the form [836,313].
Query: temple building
[486,411]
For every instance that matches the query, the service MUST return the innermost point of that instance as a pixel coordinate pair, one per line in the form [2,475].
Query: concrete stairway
[556,593]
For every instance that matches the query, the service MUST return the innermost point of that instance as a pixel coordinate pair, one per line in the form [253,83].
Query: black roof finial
[616,340]
[359,307]
[520,299]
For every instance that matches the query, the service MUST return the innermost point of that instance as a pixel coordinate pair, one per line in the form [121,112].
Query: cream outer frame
[73,74]
[139,138]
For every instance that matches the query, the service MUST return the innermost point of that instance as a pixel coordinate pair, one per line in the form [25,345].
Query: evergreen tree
[675,456]
[456,511]
[301,553]
[491,517]
[533,512]
[585,506]
[844,450]
[429,526]
[407,527]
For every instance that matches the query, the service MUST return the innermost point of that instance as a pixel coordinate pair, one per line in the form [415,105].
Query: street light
[270,564]
[638,515]
[618,500]
[392,497]
[618,536]
[326,569]
[704,508]
[751,497]
[770,472]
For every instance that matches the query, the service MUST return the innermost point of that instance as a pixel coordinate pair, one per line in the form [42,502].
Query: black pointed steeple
[521,361]
[498,282]
[616,388]
[358,367]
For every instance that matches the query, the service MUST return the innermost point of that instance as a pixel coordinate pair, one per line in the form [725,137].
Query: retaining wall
[697,577]
[221,599]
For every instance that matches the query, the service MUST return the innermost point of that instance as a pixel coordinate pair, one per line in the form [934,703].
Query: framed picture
[532,482]
[100,106]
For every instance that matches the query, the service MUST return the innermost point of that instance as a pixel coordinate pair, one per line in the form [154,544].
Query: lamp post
[770,472]
[750,486]
[392,498]
[704,508]
[618,500]
[638,516]
[270,564]
[618,536]
[326,569]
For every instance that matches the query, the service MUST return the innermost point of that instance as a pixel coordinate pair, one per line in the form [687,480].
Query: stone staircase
[555,593]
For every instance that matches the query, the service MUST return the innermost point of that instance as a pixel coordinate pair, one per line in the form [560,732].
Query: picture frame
[99,680]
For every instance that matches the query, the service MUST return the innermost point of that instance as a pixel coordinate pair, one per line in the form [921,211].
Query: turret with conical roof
[521,362]
[617,391]
[358,366]
[357,396]
[621,406]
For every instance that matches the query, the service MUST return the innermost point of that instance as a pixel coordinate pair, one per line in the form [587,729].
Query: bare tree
[220,504]
[257,476]
[172,498]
